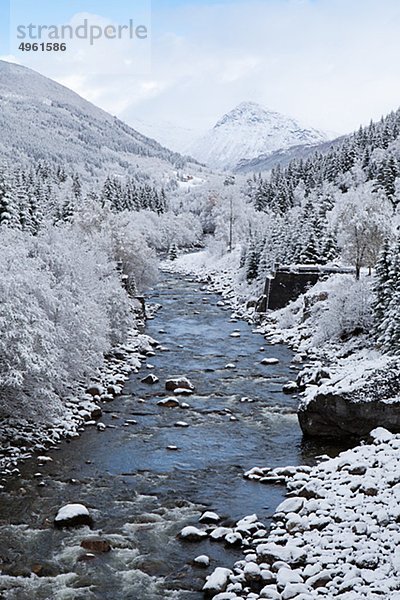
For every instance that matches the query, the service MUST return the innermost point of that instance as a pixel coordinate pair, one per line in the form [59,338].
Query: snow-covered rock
[217,582]
[192,534]
[202,561]
[150,379]
[73,515]
[270,361]
[209,517]
[182,383]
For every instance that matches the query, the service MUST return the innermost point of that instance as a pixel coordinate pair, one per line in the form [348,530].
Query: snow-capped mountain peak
[249,131]
[245,112]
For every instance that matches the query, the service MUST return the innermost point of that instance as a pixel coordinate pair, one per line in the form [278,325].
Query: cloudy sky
[331,63]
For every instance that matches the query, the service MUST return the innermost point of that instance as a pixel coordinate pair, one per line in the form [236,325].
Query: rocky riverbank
[336,536]
[337,533]
[20,438]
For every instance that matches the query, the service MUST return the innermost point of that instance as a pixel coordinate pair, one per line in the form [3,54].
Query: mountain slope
[42,120]
[267,162]
[250,131]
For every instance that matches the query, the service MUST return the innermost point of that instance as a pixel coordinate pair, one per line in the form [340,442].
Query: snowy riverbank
[21,438]
[328,328]
[337,534]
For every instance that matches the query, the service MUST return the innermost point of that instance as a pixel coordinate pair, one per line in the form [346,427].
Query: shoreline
[333,511]
[22,439]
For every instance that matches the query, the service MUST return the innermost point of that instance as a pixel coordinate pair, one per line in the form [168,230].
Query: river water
[140,493]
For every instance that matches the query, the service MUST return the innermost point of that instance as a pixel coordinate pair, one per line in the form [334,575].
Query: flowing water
[140,493]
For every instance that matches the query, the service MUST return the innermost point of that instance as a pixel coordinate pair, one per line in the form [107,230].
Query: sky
[333,64]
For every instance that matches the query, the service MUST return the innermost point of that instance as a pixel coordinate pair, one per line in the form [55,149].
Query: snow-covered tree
[363,221]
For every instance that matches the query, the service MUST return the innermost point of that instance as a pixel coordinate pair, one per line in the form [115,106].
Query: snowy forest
[70,262]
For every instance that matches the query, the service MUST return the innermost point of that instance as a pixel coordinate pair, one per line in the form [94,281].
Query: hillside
[42,120]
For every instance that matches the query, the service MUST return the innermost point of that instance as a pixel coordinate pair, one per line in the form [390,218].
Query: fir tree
[173,252]
[383,289]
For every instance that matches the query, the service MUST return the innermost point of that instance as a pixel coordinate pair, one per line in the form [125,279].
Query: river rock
[217,582]
[202,561]
[168,403]
[95,390]
[96,413]
[44,570]
[182,392]
[270,361]
[209,517]
[96,545]
[150,379]
[182,383]
[73,515]
[192,534]
[290,387]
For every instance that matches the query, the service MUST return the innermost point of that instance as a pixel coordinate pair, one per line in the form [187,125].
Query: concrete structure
[290,281]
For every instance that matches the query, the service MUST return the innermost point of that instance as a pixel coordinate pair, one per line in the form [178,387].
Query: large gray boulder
[338,416]
[335,414]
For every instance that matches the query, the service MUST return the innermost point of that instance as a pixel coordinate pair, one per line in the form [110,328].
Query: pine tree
[173,252]
[310,254]
[329,249]
[383,289]
[9,215]
[252,262]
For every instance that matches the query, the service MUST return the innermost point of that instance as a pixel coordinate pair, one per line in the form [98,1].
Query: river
[140,493]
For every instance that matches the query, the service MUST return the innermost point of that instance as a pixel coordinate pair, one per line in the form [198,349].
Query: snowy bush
[63,306]
[347,309]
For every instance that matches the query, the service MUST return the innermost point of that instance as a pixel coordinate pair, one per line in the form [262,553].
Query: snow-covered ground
[336,536]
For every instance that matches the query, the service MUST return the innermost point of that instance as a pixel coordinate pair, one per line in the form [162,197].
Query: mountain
[43,120]
[250,131]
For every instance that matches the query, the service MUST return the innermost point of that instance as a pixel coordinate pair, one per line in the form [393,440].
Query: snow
[191,533]
[203,560]
[71,511]
[209,517]
[217,581]
[270,361]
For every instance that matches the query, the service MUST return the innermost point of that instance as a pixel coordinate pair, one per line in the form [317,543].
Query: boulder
[168,403]
[192,534]
[96,545]
[290,387]
[182,383]
[73,515]
[217,582]
[342,416]
[270,361]
[209,517]
[150,379]
[95,390]
[202,561]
